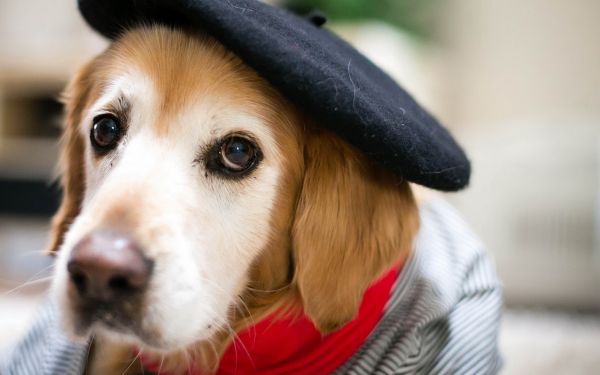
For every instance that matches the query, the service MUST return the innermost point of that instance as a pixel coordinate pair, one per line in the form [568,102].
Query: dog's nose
[105,265]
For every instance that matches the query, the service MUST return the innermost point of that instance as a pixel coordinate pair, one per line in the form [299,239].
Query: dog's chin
[143,341]
[126,336]
[112,330]
[81,328]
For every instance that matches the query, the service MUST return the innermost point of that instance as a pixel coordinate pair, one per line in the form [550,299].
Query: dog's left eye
[234,156]
[105,133]
[237,154]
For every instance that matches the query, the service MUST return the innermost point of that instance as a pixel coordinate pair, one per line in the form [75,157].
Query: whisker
[162,360]
[249,316]
[89,348]
[227,325]
[188,361]
[142,367]
[235,338]
[245,306]
[48,268]
[214,349]
[132,362]
[247,309]
[270,291]
[31,253]
[26,284]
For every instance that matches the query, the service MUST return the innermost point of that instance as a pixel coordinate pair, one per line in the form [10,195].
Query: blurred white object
[525,88]
[538,342]
[597,237]
[22,242]
[532,200]
[43,40]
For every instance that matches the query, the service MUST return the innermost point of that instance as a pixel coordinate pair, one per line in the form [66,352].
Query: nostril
[79,280]
[120,283]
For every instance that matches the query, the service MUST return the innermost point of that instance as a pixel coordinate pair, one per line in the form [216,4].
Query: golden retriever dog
[198,200]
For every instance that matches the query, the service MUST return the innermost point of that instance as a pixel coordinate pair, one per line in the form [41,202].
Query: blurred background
[517,82]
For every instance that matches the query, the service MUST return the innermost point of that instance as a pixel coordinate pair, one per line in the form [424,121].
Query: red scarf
[294,346]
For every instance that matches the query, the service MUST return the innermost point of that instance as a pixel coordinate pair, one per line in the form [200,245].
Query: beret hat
[318,71]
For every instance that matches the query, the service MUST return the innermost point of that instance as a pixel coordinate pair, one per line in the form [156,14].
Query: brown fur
[77,97]
[353,221]
[339,221]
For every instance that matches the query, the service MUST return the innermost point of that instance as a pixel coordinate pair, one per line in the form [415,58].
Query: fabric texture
[442,317]
[45,350]
[312,67]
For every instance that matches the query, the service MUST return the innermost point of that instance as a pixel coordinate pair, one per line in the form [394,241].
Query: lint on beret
[316,70]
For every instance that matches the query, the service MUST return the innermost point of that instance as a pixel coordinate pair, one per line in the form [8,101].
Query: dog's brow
[120,107]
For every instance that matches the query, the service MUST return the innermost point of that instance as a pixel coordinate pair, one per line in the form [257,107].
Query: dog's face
[191,185]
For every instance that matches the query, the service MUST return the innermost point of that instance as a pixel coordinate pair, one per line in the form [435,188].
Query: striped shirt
[443,315]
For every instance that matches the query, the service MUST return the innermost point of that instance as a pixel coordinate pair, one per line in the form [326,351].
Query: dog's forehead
[167,74]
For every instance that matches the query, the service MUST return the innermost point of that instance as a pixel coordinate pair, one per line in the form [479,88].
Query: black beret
[316,70]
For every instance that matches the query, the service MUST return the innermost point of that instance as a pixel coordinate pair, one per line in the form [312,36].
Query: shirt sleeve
[470,328]
[45,349]
[443,316]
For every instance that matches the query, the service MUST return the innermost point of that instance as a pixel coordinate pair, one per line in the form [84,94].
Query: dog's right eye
[105,133]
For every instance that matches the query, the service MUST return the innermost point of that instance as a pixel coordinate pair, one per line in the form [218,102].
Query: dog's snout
[106,265]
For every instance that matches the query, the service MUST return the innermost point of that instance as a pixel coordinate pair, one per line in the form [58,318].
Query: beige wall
[42,41]
[523,95]
[512,58]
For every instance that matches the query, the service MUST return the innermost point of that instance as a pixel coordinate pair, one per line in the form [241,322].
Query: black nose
[105,266]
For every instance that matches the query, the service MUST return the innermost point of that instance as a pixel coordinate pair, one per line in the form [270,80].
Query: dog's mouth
[99,313]
[124,320]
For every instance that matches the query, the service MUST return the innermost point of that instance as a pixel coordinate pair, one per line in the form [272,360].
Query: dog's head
[195,195]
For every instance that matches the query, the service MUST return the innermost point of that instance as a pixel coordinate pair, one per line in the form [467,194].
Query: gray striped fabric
[442,318]
[45,350]
[444,314]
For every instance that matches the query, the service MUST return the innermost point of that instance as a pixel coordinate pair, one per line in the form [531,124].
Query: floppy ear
[353,221]
[71,163]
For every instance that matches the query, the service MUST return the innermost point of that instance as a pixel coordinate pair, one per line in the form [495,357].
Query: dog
[198,201]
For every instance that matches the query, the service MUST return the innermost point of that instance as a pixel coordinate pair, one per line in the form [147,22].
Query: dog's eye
[237,154]
[105,132]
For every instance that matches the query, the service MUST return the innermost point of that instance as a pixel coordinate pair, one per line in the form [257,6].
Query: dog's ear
[71,163]
[353,221]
